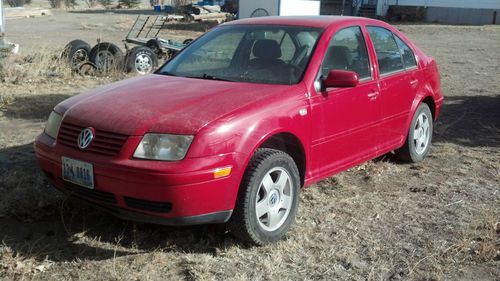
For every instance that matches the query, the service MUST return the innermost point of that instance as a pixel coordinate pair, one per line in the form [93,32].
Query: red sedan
[231,128]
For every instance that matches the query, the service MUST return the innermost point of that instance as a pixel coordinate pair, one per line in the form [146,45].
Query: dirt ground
[383,220]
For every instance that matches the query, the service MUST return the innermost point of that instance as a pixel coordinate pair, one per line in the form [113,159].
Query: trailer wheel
[155,47]
[75,53]
[141,60]
[187,41]
[106,57]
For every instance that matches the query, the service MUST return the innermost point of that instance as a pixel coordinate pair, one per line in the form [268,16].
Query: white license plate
[78,172]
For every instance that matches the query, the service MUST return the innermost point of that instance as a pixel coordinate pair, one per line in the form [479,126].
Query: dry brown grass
[34,68]
[42,70]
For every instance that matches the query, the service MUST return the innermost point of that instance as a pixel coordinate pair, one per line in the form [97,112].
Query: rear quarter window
[406,52]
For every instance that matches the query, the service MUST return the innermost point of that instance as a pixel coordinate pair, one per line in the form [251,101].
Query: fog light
[222,172]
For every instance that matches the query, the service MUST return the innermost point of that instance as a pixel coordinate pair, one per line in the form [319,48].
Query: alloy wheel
[421,133]
[274,199]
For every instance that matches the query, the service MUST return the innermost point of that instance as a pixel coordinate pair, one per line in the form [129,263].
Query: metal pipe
[2,26]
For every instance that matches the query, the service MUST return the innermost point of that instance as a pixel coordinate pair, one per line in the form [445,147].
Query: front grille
[105,143]
[79,191]
[145,205]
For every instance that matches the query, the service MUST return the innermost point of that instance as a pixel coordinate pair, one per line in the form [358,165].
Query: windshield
[247,53]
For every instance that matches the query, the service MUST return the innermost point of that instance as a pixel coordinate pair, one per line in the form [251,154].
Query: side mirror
[341,79]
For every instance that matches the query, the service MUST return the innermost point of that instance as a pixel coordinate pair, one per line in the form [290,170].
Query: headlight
[163,147]
[53,124]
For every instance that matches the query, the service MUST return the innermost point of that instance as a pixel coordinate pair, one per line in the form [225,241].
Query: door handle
[373,95]
[413,82]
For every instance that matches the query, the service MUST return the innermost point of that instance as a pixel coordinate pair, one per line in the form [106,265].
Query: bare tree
[179,3]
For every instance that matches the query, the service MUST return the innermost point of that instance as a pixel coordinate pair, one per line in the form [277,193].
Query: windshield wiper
[168,73]
[204,76]
[211,77]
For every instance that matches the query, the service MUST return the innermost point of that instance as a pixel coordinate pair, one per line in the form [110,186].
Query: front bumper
[173,193]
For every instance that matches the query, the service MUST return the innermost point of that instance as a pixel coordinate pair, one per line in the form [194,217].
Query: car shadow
[472,121]
[39,222]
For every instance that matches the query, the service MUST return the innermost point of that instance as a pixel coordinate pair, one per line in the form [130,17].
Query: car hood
[162,104]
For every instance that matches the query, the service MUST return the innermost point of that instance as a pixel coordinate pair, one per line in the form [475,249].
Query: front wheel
[419,137]
[268,198]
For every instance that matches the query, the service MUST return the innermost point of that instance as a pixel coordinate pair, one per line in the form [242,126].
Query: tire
[187,41]
[141,60]
[106,57]
[265,212]
[419,137]
[75,53]
[155,47]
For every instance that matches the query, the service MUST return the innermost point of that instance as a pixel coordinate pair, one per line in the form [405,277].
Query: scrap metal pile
[205,13]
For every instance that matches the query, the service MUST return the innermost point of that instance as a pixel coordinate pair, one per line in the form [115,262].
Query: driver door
[344,129]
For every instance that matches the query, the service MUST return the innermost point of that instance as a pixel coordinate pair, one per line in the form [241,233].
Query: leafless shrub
[129,3]
[106,3]
[179,3]
[18,3]
[62,3]
[91,3]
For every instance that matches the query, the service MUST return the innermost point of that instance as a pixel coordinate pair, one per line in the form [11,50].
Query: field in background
[436,220]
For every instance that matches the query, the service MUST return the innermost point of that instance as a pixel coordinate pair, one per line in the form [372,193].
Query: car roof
[310,21]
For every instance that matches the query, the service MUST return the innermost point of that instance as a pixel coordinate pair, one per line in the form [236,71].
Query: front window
[247,53]
[347,51]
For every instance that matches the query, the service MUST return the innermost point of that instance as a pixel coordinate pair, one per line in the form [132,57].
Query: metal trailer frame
[146,28]
[144,32]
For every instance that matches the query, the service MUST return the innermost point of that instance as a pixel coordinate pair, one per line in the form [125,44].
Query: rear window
[387,50]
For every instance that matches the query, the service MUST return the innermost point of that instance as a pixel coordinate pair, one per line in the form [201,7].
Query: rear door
[345,119]
[398,83]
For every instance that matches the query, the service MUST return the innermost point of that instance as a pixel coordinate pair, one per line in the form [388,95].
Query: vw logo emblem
[85,137]
[273,199]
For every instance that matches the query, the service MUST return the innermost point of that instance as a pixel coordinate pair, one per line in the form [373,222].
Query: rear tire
[75,53]
[106,57]
[419,137]
[268,198]
[141,60]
